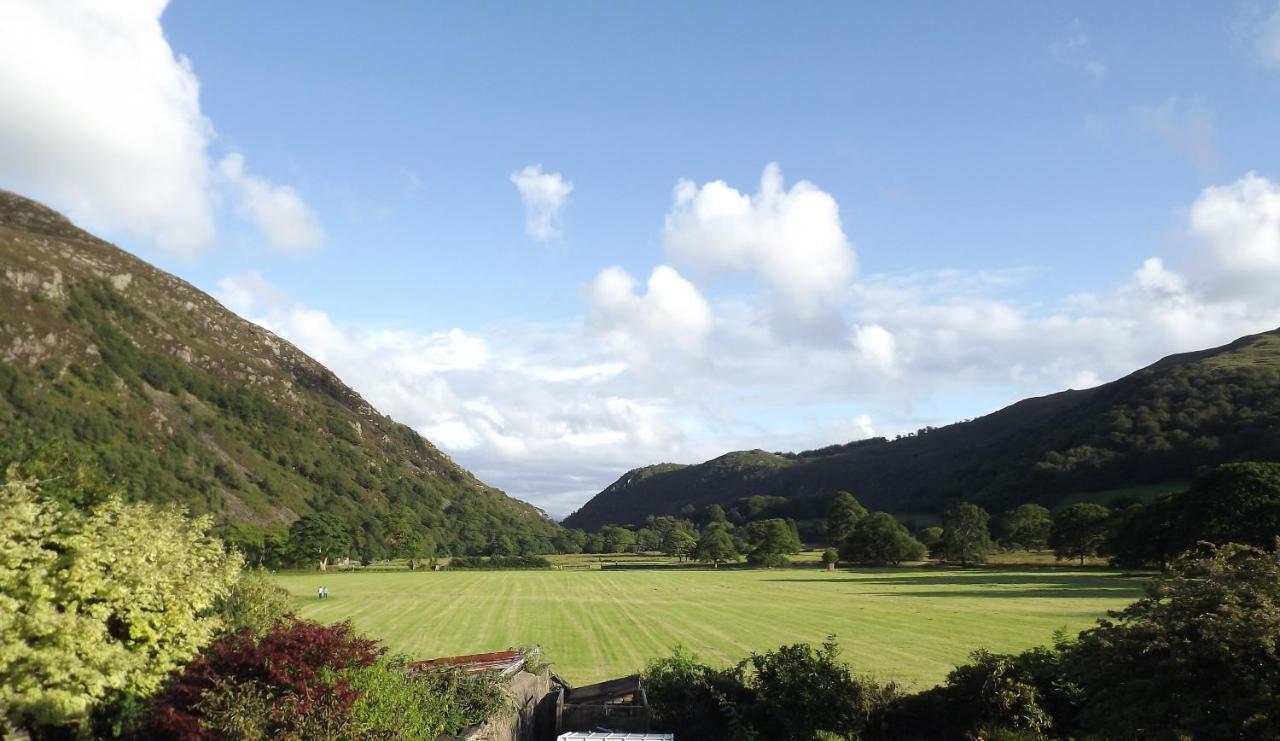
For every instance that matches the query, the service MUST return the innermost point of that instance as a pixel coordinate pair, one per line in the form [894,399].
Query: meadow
[910,625]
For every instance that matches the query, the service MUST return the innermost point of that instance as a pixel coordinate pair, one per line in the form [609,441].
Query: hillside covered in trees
[1158,425]
[116,365]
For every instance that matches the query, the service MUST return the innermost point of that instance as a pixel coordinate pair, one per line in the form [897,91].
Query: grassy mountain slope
[1156,425]
[105,357]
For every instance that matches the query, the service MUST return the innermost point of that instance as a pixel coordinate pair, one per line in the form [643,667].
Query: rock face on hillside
[1155,426]
[107,358]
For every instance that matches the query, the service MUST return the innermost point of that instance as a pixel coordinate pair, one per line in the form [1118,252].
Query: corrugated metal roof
[503,662]
[604,736]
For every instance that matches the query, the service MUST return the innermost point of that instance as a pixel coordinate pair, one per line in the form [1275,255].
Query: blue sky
[1002,200]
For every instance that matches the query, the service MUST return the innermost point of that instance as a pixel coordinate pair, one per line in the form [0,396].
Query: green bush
[397,703]
[793,693]
[255,602]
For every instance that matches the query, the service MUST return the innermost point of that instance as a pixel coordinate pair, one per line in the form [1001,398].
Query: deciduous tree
[318,537]
[965,537]
[843,513]
[770,541]
[1079,531]
[1027,526]
[880,538]
[716,546]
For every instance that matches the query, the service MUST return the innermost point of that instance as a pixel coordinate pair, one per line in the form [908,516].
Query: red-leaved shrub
[292,668]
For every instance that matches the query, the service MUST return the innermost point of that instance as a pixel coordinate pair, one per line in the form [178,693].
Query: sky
[563,240]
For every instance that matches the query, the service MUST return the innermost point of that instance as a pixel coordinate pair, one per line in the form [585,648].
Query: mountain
[108,359]
[1154,426]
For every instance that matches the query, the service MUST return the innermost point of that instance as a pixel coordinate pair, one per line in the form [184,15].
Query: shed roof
[503,662]
[602,691]
[609,736]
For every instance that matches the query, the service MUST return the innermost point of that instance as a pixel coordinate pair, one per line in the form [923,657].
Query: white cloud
[277,210]
[546,414]
[1076,50]
[100,116]
[670,316]
[658,372]
[1188,129]
[1237,229]
[102,119]
[791,240]
[544,195]
[876,348]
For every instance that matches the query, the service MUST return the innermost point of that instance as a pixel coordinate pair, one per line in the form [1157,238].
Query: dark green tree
[965,537]
[770,541]
[617,539]
[503,545]
[843,513]
[407,539]
[681,543]
[1197,658]
[319,537]
[1079,531]
[1027,526]
[716,546]
[568,540]
[648,539]
[932,539]
[880,538]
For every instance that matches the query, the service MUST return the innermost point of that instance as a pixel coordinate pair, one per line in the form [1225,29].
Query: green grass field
[909,625]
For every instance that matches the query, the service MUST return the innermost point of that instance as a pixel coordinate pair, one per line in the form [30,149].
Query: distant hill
[1156,425]
[107,358]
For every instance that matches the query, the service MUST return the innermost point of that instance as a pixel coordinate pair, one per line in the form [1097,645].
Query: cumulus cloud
[671,315]
[658,372]
[1237,230]
[102,119]
[791,240]
[544,195]
[1076,50]
[546,414]
[277,210]
[1187,129]
[101,116]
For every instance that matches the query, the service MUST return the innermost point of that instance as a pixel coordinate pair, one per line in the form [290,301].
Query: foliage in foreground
[99,603]
[305,680]
[1199,657]
[794,692]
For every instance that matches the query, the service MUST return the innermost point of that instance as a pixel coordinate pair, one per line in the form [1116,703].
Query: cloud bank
[660,371]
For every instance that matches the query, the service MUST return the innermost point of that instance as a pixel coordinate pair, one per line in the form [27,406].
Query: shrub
[694,700]
[297,664]
[794,692]
[499,562]
[800,691]
[395,703]
[255,603]
[99,606]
